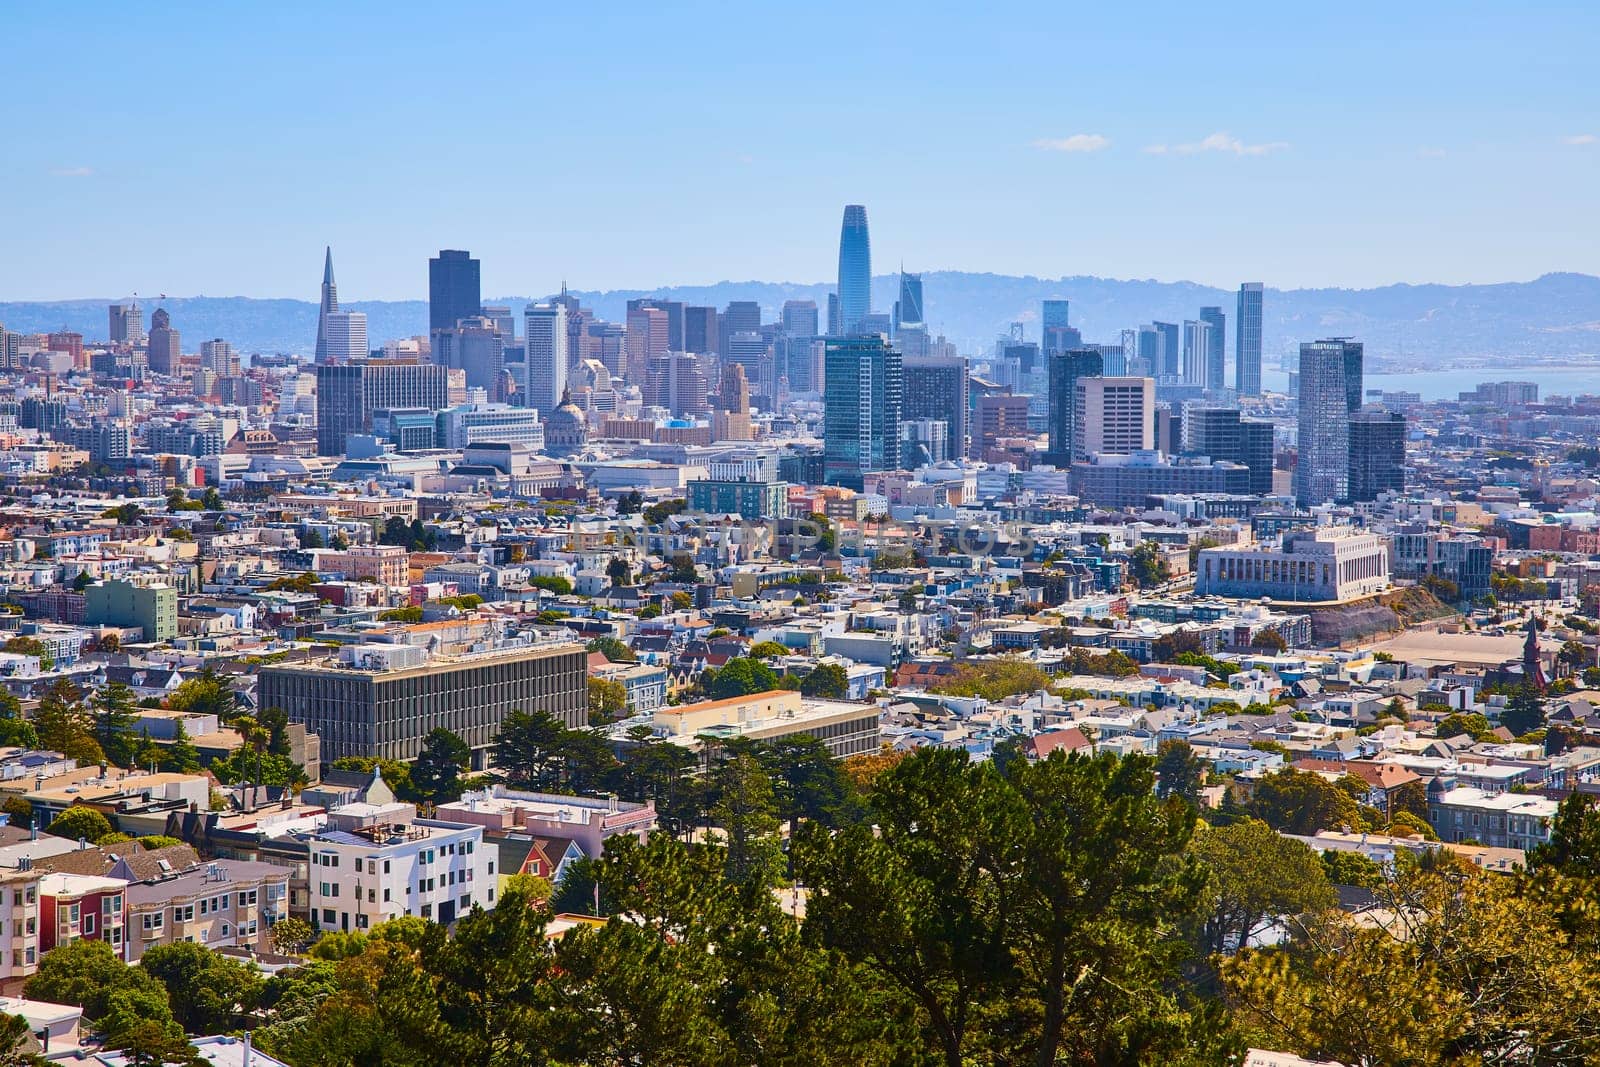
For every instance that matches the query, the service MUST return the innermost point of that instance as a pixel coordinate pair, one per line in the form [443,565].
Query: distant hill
[1556,316]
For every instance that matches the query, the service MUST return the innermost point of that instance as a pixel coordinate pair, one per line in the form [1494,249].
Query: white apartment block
[375,862]
[19,924]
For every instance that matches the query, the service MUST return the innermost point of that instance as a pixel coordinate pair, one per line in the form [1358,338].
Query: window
[386,894]
[327,889]
[183,913]
[88,923]
[372,866]
[329,917]
[72,913]
[31,954]
[385,866]
[154,920]
[205,907]
[31,895]
[247,898]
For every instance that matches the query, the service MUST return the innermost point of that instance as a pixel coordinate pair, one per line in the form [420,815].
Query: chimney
[33,831]
[245,1061]
[83,843]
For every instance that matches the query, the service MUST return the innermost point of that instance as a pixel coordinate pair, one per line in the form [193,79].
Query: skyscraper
[476,346]
[855,270]
[862,400]
[330,304]
[740,316]
[648,336]
[348,394]
[1247,341]
[217,357]
[545,360]
[1065,368]
[161,347]
[346,336]
[908,309]
[1322,473]
[454,292]
[673,309]
[799,318]
[700,331]
[1170,350]
[939,394]
[127,324]
[1221,434]
[1217,350]
[1377,453]
[1196,351]
[835,328]
[1055,333]
[1113,416]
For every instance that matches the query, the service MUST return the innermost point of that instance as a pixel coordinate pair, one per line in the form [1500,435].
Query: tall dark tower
[330,304]
[454,291]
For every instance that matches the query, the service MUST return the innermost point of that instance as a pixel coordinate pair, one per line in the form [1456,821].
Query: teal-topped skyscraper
[330,304]
[855,270]
[863,394]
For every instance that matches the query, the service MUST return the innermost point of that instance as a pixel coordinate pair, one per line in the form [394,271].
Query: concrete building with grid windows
[383,700]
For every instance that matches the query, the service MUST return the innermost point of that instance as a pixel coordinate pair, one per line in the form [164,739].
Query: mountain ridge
[1555,316]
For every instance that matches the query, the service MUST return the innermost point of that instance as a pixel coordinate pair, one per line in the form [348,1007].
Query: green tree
[529,752]
[746,814]
[15,1030]
[207,693]
[619,572]
[826,681]
[30,646]
[1524,712]
[311,539]
[18,811]
[180,757]
[1269,639]
[79,822]
[211,500]
[436,772]
[14,729]
[995,679]
[208,993]
[808,782]
[64,725]
[1471,724]
[1302,803]
[607,701]
[290,935]
[1256,875]
[1574,846]
[113,707]
[766,650]
[612,649]
[1346,867]
[1179,772]
[739,677]
[1147,566]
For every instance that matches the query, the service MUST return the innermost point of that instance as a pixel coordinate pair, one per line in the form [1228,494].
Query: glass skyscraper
[863,392]
[1216,347]
[908,309]
[1065,370]
[1247,341]
[855,270]
[453,289]
[1330,390]
[1055,333]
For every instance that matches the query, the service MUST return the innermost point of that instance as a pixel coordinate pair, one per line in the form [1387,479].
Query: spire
[327,267]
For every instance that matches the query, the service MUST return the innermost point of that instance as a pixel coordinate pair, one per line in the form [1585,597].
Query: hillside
[1556,316]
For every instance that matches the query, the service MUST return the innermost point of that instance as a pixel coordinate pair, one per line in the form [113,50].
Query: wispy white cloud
[72,172]
[1078,142]
[1581,139]
[1217,142]
[1429,152]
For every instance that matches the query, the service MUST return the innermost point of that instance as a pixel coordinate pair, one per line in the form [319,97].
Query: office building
[505,323]
[1216,348]
[908,309]
[152,608]
[647,337]
[476,346]
[1322,471]
[1247,341]
[349,393]
[347,336]
[217,356]
[998,418]
[1328,563]
[544,372]
[453,289]
[1055,333]
[161,346]
[383,700]
[846,729]
[835,326]
[740,316]
[1065,368]
[1196,351]
[673,309]
[750,350]
[1112,416]
[127,325]
[1377,453]
[939,391]
[1169,351]
[1113,360]
[1133,481]
[701,332]
[676,381]
[471,424]
[855,270]
[329,304]
[1219,433]
[799,318]
[862,400]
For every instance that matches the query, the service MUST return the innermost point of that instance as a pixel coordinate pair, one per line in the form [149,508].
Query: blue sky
[216,149]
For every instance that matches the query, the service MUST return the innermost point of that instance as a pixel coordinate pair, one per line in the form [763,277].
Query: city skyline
[1405,158]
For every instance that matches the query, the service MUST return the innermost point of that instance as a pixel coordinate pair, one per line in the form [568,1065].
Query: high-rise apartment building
[1217,348]
[855,270]
[938,392]
[1196,351]
[127,324]
[1113,416]
[329,304]
[1170,350]
[545,357]
[348,394]
[346,336]
[1247,341]
[1377,453]
[676,381]
[1065,368]
[161,346]
[799,318]
[454,290]
[908,309]
[1330,389]
[862,401]
[217,356]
